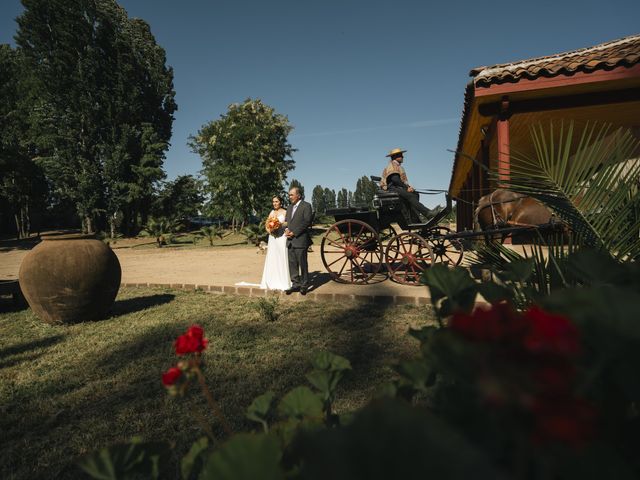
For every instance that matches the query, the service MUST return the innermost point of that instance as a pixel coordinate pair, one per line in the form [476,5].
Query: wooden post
[504,156]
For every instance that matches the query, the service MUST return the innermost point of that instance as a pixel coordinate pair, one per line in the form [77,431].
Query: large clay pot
[70,277]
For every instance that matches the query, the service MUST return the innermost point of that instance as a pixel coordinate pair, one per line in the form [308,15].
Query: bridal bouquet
[273,224]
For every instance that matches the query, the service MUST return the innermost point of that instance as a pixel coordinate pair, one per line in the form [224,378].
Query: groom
[299,217]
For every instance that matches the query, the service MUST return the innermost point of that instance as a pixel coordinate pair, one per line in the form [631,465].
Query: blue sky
[356,78]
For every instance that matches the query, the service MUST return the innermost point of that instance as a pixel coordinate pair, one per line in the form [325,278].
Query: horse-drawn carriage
[364,246]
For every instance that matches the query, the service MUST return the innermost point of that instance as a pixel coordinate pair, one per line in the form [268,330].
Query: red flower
[192,341]
[550,333]
[569,421]
[497,323]
[554,379]
[171,376]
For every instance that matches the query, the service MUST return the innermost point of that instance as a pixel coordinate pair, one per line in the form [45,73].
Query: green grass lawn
[69,390]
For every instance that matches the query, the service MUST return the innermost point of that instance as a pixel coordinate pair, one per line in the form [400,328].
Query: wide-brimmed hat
[395,151]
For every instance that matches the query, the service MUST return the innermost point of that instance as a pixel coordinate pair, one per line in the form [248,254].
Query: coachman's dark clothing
[395,184]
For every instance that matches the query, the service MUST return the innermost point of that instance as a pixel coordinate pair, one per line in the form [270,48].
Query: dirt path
[213,266]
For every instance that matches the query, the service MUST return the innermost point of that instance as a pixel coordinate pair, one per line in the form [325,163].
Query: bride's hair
[279,199]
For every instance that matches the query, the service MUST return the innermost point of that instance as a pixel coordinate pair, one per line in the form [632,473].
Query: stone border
[319,296]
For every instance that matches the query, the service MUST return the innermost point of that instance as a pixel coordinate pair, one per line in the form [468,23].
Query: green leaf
[323,381]
[192,462]
[494,293]
[451,289]
[323,360]
[418,372]
[519,270]
[126,460]
[260,407]
[391,440]
[299,403]
[245,457]
[423,334]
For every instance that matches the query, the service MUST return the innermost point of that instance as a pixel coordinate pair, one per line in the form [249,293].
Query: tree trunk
[112,226]
[27,220]
[18,229]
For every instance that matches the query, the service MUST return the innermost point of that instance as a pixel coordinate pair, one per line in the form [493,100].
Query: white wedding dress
[275,275]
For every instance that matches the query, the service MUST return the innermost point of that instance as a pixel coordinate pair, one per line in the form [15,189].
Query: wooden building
[600,83]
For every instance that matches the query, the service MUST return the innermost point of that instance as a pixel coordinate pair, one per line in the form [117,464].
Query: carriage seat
[384,199]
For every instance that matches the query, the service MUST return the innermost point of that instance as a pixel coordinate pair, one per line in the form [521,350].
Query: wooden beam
[563,102]
[563,80]
[504,155]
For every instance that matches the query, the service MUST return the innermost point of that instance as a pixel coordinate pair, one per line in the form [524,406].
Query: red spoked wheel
[407,256]
[350,252]
[448,251]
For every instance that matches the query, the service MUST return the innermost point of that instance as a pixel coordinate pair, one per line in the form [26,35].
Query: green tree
[180,199]
[318,200]
[342,198]
[296,184]
[329,198]
[368,190]
[364,193]
[245,156]
[23,187]
[102,105]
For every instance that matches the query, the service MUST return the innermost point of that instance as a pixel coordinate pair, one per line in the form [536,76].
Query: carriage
[363,245]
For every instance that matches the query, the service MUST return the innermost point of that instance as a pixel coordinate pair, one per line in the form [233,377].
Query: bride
[275,275]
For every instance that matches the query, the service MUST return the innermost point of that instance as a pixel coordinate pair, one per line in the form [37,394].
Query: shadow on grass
[246,357]
[9,244]
[24,351]
[9,304]
[130,305]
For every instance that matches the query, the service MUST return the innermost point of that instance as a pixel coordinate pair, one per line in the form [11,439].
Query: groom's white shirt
[295,207]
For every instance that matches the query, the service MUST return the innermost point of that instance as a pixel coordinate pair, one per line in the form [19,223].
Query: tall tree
[22,184]
[246,156]
[180,199]
[329,198]
[318,200]
[342,199]
[102,103]
[368,190]
[296,184]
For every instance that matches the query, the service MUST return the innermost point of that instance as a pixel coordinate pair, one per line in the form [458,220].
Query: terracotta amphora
[70,277]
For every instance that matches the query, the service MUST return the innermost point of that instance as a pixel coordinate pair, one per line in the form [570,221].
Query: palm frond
[589,180]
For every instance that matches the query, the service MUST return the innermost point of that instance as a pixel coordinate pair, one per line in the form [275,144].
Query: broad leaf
[451,289]
[127,460]
[193,461]
[323,360]
[245,457]
[259,409]
[299,403]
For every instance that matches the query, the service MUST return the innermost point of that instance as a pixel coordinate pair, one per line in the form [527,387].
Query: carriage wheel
[350,252]
[387,235]
[448,251]
[407,256]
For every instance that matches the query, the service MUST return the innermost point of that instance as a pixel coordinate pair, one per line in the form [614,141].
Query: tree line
[324,199]
[86,117]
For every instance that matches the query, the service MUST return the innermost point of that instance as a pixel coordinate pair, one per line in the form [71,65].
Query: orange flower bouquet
[273,224]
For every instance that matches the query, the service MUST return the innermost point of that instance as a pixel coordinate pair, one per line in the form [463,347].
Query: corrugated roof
[606,56]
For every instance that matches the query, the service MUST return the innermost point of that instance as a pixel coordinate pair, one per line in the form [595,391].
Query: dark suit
[297,246]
